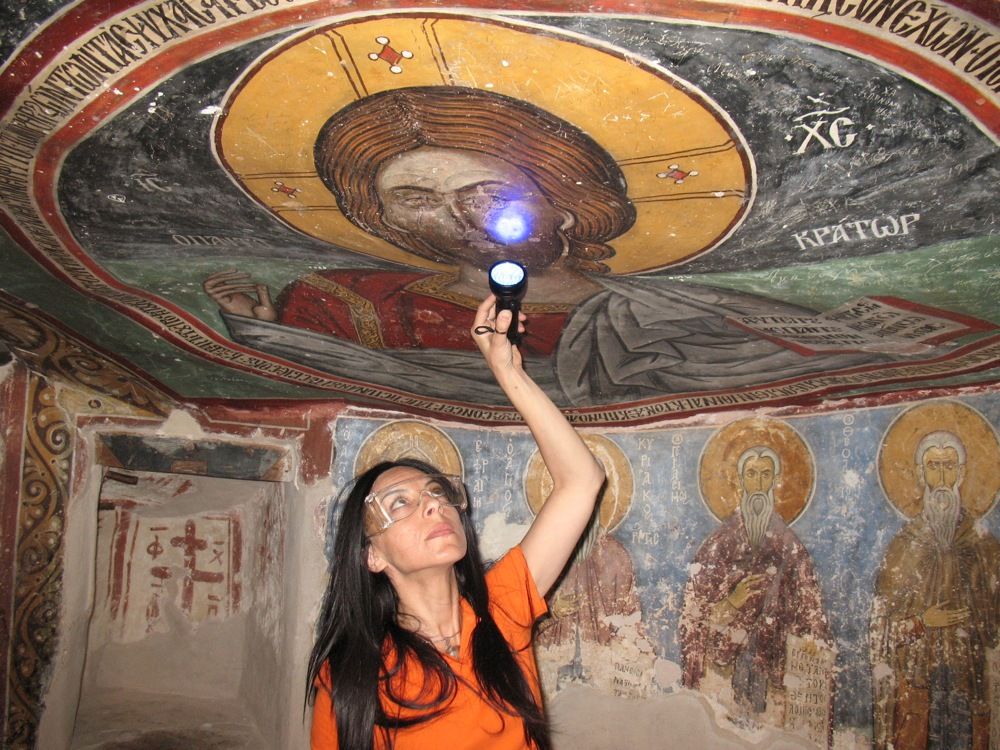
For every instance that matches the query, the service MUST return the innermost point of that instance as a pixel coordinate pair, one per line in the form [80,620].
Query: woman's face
[431,537]
[470,207]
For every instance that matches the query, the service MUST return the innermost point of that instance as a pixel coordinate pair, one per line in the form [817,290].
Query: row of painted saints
[752,603]
[446,179]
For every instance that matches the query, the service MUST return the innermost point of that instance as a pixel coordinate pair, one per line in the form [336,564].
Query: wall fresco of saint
[829,577]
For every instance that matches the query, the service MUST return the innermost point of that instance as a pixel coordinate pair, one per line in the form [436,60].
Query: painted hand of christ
[746,588]
[937,616]
[236,293]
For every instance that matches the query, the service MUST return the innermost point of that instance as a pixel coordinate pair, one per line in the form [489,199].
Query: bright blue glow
[509,226]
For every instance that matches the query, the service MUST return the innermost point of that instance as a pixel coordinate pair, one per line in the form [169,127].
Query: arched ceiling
[720,204]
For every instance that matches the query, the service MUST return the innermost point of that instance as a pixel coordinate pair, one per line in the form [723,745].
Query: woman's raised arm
[576,475]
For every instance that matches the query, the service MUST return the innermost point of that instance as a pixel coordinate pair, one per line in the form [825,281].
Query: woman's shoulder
[511,564]
[514,597]
[323,678]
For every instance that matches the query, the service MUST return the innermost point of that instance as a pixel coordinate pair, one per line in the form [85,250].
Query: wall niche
[185,637]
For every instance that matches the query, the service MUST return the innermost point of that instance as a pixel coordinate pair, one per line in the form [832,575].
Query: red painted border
[591,416]
[51,39]
[86,345]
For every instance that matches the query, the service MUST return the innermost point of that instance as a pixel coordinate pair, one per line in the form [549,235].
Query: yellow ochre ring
[689,172]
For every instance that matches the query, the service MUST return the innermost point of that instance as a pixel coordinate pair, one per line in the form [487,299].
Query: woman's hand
[489,331]
[237,294]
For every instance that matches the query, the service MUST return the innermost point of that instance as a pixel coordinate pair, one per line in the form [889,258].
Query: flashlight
[508,282]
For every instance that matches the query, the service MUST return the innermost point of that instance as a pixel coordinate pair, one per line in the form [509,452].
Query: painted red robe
[593,592]
[400,310]
[789,603]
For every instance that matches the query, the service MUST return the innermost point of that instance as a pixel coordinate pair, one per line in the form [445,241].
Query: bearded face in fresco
[456,174]
[940,469]
[757,469]
[470,206]
[464,177]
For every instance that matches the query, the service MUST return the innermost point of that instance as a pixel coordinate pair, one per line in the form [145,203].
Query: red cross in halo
[677,174]
[390,55]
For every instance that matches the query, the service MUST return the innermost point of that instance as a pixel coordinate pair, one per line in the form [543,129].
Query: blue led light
[509,226]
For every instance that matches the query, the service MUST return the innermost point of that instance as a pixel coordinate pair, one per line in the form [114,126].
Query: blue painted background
[846,526]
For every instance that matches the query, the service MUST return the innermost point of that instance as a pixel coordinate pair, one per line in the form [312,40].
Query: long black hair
[359,619]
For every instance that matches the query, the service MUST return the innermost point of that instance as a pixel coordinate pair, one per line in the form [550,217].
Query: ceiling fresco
[719,204]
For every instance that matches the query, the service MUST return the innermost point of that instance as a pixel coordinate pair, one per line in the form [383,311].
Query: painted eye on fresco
[483,200]
[416,199]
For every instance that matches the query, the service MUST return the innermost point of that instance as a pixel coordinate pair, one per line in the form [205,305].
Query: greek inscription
[808,680]
[859,230]
[678,490]
[646,537]
[480,462]
[214,240]
[968,47]
[827,126]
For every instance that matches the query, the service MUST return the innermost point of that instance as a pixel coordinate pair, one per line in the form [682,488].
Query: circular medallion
[615,500]
[688,170]
[718,477]
[897,462]
[409,439]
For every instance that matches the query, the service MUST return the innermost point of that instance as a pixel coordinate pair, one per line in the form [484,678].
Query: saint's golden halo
[616,499]
[689,172]
[719,481]
[897,469]
[409,438]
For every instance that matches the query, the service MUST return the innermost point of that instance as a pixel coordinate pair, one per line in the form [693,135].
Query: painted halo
[719,481]
[615,500]
[409,438]
[689,172]
[897,470]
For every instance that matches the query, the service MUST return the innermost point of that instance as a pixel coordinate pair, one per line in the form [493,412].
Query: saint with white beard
[752,586]
[935,615]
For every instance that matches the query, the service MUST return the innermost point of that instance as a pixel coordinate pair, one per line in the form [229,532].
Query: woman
[416,646]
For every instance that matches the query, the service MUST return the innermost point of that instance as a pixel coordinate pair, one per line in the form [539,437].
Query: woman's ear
[376,563]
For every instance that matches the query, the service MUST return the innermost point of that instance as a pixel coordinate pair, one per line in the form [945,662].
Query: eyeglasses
[401,500]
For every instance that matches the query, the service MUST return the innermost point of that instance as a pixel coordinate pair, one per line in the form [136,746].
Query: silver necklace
[449,648]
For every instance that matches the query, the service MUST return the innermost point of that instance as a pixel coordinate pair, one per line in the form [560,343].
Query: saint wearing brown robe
[935,615]
[752,585]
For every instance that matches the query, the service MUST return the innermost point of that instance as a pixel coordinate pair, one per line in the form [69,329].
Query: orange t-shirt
[469,722]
